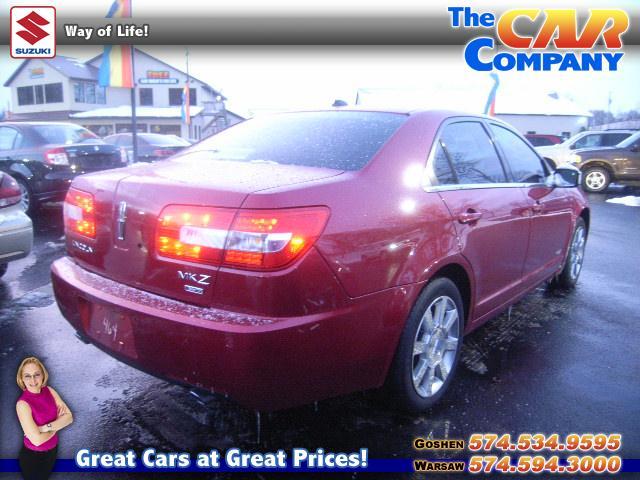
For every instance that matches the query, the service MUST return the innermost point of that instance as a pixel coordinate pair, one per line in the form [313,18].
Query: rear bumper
[263,363]
[16,235]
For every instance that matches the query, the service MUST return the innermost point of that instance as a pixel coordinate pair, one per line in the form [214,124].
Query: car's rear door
[550,208]
[490,215]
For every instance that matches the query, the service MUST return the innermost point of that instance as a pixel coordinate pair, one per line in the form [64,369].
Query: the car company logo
[33,32]
[544,40]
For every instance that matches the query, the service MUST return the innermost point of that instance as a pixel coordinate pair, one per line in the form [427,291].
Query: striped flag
[120,9]
[490,107]
[185,110]
[116,67]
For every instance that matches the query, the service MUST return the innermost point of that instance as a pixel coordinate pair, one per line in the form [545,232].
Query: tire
[568,277]
[428,352]
[3,268]
[27,201]
[595,179]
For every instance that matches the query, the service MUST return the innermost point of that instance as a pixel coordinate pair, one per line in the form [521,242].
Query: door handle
[470,216]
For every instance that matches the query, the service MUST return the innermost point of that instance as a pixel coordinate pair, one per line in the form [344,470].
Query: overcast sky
[302,77]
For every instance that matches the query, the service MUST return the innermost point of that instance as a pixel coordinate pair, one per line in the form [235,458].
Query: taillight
[193,233]
[9,191]
[79,213]
[56,156]
[254,239]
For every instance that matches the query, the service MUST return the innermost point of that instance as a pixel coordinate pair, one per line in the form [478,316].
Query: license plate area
[112,328]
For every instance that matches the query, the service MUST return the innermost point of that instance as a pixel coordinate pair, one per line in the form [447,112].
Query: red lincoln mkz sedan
[305,255]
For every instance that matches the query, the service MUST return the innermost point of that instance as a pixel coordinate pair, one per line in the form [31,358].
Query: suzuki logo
[122,219]
[33,33]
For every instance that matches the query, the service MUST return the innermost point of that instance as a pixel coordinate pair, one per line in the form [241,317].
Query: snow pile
[629,201]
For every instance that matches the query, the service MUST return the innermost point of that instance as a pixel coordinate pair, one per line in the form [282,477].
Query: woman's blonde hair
[38,364]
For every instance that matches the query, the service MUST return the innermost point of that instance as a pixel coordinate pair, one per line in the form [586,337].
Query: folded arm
[65,418]
[29,427]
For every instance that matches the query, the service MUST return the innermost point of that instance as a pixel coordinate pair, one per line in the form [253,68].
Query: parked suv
[602,166]
[561,153]
[44,157]
[300,256]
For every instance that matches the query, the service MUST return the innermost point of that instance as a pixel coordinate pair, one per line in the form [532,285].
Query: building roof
[124,111]
[74,68]
[68,66]
[471,100]
[138,51]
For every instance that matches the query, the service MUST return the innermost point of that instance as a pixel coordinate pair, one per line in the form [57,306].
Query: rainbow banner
[185,110]
[490,107]
[120,9]
[116,67]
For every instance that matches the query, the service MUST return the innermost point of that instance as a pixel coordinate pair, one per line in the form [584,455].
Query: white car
[16,230]
[562,152]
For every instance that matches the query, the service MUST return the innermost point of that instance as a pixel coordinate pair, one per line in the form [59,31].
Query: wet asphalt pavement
[557,363]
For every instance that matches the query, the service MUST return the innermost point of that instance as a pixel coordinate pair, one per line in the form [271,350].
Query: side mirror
[572,146]
[635,148]
[565,176]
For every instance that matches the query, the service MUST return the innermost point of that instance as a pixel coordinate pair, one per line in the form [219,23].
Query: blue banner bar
[374,465]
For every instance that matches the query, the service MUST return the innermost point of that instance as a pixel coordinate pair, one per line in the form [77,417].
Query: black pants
[37,465]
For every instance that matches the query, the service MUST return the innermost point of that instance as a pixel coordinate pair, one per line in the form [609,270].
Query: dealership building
[65,89]
[531,111]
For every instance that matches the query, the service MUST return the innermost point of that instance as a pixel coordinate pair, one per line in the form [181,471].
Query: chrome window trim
[429,180]
[476,186]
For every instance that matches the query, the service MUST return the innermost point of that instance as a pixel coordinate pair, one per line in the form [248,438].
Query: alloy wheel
[435,346]
[576,254]
[595,180]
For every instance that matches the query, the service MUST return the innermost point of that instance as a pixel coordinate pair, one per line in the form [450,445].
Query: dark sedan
[151,146]
[44,157]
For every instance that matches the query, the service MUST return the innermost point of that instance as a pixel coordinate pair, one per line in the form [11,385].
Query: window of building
[101,95]
[39,89]
[126,127]
[53,92]
[37,94]
[166,129]
[78,92]
[175,96]
[25,95]
[146,97]
[88,92]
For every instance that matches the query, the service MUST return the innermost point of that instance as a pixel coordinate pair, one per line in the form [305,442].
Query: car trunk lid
[128,209]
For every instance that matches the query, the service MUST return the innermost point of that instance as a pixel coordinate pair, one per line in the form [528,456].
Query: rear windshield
[337,140]
[64,134]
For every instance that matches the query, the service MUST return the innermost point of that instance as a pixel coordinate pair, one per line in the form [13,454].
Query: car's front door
[550,208]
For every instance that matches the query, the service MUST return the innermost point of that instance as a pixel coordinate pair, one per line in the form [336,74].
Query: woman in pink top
[42,413]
